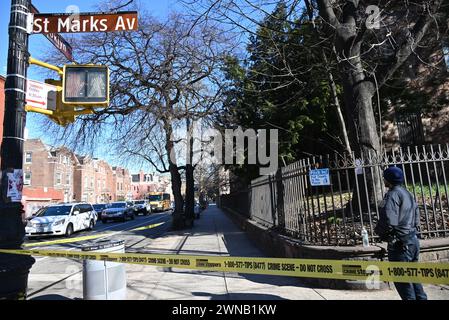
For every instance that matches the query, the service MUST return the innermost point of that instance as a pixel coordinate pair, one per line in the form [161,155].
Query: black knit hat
[394,175]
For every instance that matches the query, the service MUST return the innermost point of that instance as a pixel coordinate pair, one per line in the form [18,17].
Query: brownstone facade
[122,183]
[56,175]
[144,183]
[104,187]
[48,174]
[84,182]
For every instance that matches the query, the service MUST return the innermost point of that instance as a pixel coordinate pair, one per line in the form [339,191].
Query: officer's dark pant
[408,253]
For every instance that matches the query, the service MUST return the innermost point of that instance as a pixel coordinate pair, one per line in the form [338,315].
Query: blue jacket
[398,214]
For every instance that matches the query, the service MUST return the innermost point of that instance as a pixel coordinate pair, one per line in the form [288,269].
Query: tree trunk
[367,189]
[178,217]
[358,94]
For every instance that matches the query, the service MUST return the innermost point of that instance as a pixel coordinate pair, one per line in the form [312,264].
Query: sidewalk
[213,234]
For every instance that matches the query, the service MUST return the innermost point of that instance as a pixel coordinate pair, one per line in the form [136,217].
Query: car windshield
[157,197]
[99,206]
[139,202]
[55,211]
[118,205]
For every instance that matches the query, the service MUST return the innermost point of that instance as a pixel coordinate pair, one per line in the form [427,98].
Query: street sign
[319,177]
[57,40]
[41,95]
[85,22]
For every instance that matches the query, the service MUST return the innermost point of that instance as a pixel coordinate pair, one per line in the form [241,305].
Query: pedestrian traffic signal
[81,89]
[85,85]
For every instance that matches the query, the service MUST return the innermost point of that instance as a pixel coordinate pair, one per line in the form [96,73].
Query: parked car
[99,207]
[61,219]
[142,206]
[118,211]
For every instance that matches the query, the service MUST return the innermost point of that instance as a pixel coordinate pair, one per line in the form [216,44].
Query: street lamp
[14,269]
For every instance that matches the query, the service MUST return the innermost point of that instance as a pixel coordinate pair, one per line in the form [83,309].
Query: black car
[99,207]
[118,211]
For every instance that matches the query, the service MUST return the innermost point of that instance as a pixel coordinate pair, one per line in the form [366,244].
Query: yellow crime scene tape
[79,239]
[410,272]
[148,227]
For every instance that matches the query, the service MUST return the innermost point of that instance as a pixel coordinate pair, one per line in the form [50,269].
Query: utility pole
[14,269]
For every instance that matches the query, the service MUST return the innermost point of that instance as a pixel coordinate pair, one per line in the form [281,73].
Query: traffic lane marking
[94,236]
[74,248]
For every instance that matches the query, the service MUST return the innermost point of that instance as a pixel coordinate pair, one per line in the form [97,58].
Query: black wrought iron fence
[335,214]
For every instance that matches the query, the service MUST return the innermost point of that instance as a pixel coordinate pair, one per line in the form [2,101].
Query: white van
[62,219]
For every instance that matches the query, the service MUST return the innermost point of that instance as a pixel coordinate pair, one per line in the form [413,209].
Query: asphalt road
[50,273]
[110,227]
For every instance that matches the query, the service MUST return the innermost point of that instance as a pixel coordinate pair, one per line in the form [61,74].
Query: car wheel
[69,230]
[91,225]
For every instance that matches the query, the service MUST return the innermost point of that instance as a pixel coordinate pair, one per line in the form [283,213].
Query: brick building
[84,179]
[425,118]
[122,182]
[56,175]
[48,175]
[143,183]
[104,185]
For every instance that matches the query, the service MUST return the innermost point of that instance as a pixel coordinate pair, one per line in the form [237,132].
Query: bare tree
[152,70]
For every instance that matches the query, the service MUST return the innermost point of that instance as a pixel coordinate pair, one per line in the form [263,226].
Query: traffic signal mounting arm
[84,86]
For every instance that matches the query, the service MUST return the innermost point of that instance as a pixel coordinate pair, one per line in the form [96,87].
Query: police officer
[399,224]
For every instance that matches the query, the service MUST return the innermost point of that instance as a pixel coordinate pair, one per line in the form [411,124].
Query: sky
[39,44]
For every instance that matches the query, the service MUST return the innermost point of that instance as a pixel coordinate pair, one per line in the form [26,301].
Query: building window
[58,178]
[27,178]
[67,181]
[28,157]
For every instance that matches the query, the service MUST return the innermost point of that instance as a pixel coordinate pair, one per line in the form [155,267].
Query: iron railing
[336,214]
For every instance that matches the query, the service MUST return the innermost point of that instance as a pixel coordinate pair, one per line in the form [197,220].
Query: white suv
[62,219]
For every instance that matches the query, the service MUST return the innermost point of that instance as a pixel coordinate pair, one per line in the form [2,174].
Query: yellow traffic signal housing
[81,89]
[85,85]
[64,114]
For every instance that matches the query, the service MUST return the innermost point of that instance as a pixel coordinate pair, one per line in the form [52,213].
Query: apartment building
[122,183]
[84,181]
[143,183]
[104,185]
[48,175]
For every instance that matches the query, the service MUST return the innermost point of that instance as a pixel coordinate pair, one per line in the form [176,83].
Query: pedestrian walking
[399,225]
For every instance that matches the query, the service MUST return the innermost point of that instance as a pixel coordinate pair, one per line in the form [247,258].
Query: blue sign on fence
[319,177]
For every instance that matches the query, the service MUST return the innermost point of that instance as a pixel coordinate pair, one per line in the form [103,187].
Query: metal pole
[14,269]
